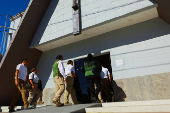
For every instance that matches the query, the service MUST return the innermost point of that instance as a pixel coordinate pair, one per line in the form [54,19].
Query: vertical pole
[4,34]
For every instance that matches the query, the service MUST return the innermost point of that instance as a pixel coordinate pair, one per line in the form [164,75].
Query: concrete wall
[19,49]
[0,57]
[144,48]
[14,25]
[141,88]
[58,21]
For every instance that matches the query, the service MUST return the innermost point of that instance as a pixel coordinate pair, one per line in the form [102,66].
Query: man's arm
[109,77]
[31,83]
[61,68]
[16,77]
[27,78]
[72,72]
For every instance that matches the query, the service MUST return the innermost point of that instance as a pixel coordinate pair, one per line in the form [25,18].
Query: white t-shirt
[69,69]
[35,79]
[61,68]
[104,73]
[22,71]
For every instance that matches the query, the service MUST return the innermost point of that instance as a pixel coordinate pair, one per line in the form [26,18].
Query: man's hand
[33,87]
[16,78]
[16,83]
[65,79]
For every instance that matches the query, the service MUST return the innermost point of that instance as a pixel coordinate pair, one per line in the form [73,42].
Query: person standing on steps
[34,84]
[92,68]
[106,81]
[70,73]
[20,77]
[59,77]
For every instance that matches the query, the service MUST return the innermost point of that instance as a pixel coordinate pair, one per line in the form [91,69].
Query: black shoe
[58,104]
[11,110]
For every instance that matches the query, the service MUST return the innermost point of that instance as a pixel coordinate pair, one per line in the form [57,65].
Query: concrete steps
[136,106]
[17,108]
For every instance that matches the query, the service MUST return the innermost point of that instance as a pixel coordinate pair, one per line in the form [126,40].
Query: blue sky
[11,7]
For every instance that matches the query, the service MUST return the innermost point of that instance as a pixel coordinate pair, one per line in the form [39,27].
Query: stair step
[155,108]
[133,106]
[6,108]
[137,103]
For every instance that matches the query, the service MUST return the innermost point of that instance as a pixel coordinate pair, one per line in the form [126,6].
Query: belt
[21,79]
[68,75]
[105,78]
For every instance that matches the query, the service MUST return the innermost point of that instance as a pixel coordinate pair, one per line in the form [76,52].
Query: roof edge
[17,16]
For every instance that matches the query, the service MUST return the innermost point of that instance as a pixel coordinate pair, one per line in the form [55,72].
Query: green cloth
[88,69]
[55,69]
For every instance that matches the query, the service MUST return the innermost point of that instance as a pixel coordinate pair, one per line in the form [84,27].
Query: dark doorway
[105,61]
[81,86]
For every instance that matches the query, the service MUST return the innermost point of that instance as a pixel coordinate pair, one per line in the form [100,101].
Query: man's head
[70,62]
[25,61]
[34,70]
[59,57]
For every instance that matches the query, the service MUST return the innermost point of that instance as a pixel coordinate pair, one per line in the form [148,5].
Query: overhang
[104,27]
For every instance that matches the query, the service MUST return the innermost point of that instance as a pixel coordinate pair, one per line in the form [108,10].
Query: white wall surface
[57,20]
[144,47]
[14,25]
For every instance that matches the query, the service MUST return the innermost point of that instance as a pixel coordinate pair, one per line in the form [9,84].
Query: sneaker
[39,103]
[29,107]
[66,104]
[58,104]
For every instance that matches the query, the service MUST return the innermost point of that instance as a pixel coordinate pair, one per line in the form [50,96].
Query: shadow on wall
[0,57]
[44,22]
[119,94]
[125,36]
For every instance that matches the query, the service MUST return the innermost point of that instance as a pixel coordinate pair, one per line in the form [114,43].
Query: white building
[15,20]
[129,35]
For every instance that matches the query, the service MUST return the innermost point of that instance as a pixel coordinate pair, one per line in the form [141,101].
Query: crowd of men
[98,78]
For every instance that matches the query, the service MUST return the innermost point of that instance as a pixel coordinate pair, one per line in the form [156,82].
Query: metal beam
[7,28]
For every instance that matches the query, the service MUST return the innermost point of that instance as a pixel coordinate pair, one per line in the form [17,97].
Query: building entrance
[81,85]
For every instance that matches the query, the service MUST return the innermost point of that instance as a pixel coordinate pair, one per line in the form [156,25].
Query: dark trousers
[91,80]
[106,89]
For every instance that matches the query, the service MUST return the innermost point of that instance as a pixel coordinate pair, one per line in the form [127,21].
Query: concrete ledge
[137,103]
[138,106]
[161,108]
[17,108]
